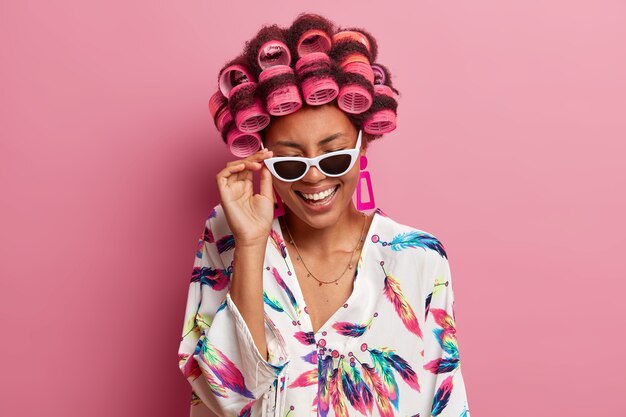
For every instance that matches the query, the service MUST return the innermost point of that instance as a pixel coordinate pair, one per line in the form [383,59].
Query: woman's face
[309,132]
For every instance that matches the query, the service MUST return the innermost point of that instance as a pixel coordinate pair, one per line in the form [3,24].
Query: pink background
[510,149]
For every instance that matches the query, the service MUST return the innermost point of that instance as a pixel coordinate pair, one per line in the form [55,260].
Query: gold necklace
[349,266]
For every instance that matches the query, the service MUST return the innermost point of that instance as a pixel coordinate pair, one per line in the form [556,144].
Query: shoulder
[400,237]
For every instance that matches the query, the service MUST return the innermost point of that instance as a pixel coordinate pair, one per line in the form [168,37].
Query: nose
[314,175]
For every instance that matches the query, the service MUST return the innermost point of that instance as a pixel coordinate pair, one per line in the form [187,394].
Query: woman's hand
[249,215]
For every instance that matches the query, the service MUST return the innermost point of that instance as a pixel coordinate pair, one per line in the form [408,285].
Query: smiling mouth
[319,198]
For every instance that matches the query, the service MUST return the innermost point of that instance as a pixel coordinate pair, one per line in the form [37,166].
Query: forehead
[310,127]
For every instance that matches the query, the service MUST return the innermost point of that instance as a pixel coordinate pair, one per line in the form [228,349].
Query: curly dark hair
[311,63]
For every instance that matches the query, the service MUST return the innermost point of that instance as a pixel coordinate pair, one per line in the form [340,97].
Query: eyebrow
[292,144]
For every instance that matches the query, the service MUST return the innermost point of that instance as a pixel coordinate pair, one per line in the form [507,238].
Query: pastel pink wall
[510,149]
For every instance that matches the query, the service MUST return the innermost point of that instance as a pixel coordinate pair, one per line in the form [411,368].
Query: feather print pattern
[223,368]
[216,278]
[225,243]
[416,239]
[366,361]
[442,396]
[285,288]
[393,292]
[351,329]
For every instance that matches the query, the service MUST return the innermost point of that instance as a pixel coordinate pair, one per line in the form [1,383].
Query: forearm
[246,290]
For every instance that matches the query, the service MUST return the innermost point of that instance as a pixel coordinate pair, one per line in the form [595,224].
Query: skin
[326,241]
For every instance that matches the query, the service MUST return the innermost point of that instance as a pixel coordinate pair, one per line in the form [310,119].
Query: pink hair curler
[354,99]
[223,117]
[218,107]
[384,90]
[379,75]
[380,122]
[243,144]
[273,53]
[253,117]
[316,90]
[313,40]
[232,76]
[352,35]
[284,99]
[359,67]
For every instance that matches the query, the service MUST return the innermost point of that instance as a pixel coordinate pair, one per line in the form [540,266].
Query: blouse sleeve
[217,353]
[444,385]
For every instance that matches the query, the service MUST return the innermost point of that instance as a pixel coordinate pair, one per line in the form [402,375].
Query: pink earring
[279,209]
[364,175]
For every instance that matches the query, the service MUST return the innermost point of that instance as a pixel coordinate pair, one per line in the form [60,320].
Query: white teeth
[320,196]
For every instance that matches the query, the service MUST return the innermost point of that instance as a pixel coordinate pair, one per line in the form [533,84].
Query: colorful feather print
[310,357]
[383,369]
[208,235]
[225,243]
[415,239]
[442,365]
[351,329]
[447,341]
[280,246]
[305,379]
[189,366]
[381,396]
[284,286]
[393,292]
[402,367]
[324,370]
[223,368]
[199,247]
[336,393]
[213,213]
[351,381]
[440,401]
[247,410]
[217,278]
[427,305]
[272,302]
[440,284]
[215,387]
[444,320]
[306,338]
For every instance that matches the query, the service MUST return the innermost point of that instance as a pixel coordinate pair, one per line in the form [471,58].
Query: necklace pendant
[349,266]
[308,275]
[298,258]
[336,282]
[320,284]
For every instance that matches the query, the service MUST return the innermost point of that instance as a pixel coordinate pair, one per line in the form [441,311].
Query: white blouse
[391,350]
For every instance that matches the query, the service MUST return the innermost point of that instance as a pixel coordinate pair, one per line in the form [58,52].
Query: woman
[307,305]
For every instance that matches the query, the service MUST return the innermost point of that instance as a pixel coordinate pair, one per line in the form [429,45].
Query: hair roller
[232,76]
[218,107]
[381,118]
[250,116]
[267,49]
[241,144]
[371,42]
[278,87]
[310,33]
[317,78]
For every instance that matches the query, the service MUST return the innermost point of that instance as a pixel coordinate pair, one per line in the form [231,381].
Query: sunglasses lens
[335,165]
[290,169]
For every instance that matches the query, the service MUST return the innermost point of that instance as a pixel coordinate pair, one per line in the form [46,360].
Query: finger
[266,183]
